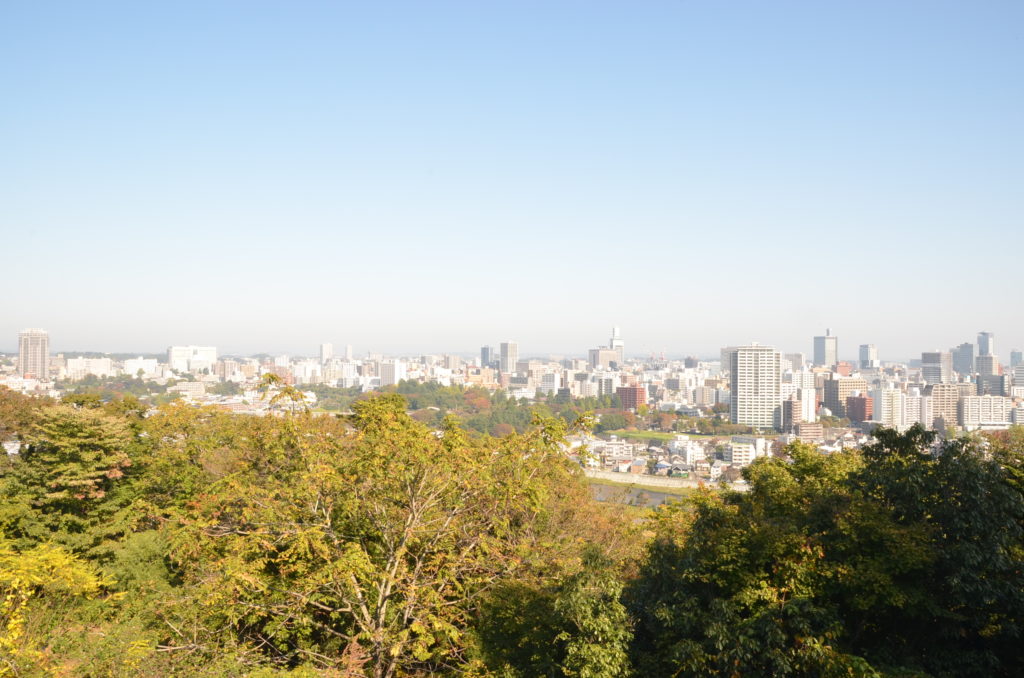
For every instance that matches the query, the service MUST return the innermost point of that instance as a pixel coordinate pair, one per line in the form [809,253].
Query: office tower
[990,381]
[602,358]
[868,356]
[326,352]
[723,357]
[1016,357]
[838,389]
[986,343]
[348,353]
[34,354]
[509,356]
[937,367]
[755,382]
[987,364]
[617,345]
[796,360]
[963,359]
[826,350]
[487,358]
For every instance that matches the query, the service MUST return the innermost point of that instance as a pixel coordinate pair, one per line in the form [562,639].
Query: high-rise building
[945,401]
[1016,357]
[632,397]
[987,364]
[326,353]
[34,354]
[838,389]
[963,359]
[391,372]
[868,356]
[889,408]
[509,356]
[792,413]
[937,367]
[755,382]
[826,350]
[616,344]
[602,358]
[487,356]
[859,408]
[986,343]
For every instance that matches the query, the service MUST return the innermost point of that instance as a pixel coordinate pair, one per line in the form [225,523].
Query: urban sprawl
[768,398]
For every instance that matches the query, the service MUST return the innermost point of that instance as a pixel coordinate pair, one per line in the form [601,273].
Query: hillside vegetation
[193,542]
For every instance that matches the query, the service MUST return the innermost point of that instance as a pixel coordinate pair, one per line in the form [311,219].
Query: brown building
[859,408]
[945,405]
[792,414]
[632,397]
[838,389]
[810,431]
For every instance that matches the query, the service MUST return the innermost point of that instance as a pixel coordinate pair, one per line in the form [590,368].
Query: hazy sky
[431,176]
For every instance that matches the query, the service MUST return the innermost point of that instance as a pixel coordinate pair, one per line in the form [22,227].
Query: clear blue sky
[435,175]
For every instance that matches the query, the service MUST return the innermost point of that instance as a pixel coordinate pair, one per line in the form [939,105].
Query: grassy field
[642,435]
[675,491]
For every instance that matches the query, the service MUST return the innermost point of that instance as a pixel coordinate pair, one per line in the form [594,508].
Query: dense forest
[193,542]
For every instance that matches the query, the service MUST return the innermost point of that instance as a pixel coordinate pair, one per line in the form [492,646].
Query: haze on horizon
[432,177]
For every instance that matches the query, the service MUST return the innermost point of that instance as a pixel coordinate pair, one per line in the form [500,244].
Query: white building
[984,411]
[187,359]
[391,372]
[742,450]
[868,357]
[550,382]
[755,381]
[691,450]
[148,366]
[890,408]
[34,354]
[509,356]
[78,368]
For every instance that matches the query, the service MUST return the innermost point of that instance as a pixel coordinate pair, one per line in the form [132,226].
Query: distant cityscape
[776,396]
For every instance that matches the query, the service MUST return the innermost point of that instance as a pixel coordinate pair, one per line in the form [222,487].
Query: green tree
[903,558]
[61,485]
[381,539]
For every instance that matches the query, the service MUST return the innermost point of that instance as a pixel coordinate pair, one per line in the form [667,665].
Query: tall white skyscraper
[348,353]
[34,353]
[826,350]
[755,382]
[509,356]
[616,344]
[326,352]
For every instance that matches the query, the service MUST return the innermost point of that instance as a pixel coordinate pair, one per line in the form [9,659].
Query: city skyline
[417,177]
[616,345]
